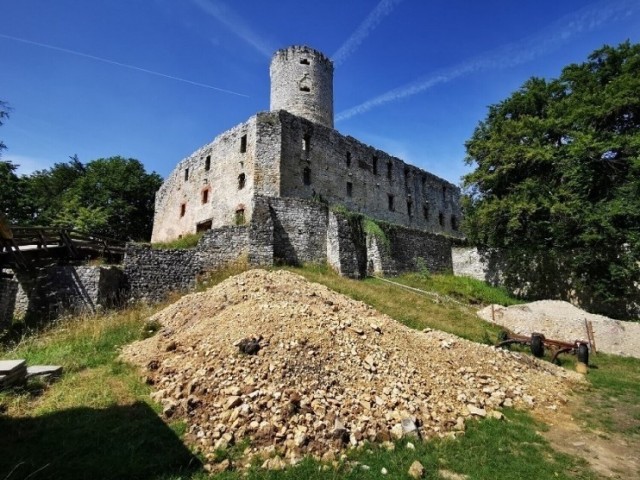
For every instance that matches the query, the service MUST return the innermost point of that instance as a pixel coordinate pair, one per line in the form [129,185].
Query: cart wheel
[583,353]
[537,345]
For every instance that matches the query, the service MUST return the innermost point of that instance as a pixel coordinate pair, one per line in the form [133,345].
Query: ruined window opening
[304,61]
[390,200]
[204,226]
[348,159]
[441,219]
[349,189]
[207,163]
[444,193]
[406,176]
[239,217]
[424,183]
[241,181]
[389,170]
[425,212]
[183,209]
[186,174]
[375,165]
[243,144]
[454,223]
[205,195]
[306,176]
[306,143]
[304,88]
[410,209]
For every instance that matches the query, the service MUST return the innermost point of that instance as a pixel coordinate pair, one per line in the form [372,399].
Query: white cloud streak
[548,39]
[120,64]
[384,8]
[223,14]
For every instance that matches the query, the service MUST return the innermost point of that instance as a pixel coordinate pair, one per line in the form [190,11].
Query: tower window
[454,223]
[207,163]
[304,61]
[424,183]
[241,181]
[441,219]
[389,170]
[186,174]
[306,143]
[243,144]
[349,189]
[406,176]
[304,88]
[205,195]
[410,209]
[348,159]
[375,165]
[425,212]
[183,209]
[444,193]
[306,176]
[390,200]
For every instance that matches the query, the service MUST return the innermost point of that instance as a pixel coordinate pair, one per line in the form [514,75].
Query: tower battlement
[302,83]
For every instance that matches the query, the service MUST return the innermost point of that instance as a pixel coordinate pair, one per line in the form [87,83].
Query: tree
[557,182]
[114,197]
[4,113]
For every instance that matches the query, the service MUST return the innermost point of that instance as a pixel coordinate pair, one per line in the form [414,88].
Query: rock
[411,446]
[375,328]
[275,463]
[232,402]
[496,414]
[582,368]
[397,431]
[473,410]
[416,470]
[249,346]
[384,471]
[409,427]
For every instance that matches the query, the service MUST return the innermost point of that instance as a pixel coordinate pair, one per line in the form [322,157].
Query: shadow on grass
[120,442]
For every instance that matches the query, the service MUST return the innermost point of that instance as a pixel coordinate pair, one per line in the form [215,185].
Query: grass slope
[99,422]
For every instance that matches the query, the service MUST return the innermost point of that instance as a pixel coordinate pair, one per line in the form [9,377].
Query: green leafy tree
[4,113]
[557,182]
[114,197]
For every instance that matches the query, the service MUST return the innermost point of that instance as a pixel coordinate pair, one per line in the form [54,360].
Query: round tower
[302,84]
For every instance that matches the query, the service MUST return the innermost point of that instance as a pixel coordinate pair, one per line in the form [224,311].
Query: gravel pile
[562,321]
[322,372]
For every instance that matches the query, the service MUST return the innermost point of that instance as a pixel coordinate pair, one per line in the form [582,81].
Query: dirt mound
[562,321]
[323,371]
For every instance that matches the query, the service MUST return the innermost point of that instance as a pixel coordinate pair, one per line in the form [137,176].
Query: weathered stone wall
[346,251]
[302,83]
[341,170]
[57,290]
[194,194]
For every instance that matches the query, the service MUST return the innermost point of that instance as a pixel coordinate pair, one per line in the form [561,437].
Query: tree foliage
[557,181]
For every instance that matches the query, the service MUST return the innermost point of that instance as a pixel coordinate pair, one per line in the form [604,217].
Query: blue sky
[157,79]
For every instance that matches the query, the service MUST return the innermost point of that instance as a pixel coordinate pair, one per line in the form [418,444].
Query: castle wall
[381,186]
[181,201]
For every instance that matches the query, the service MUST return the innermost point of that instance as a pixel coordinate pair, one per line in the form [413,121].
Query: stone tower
[302,84]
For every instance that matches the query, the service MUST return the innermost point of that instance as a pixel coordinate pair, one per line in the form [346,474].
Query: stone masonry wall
[211,185]
[341,170]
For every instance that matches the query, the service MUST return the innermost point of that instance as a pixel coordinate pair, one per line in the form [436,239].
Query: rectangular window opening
[239,217]
[304,61]
[390,200]
[454,223]
[441,219]
[349,189]
[243,144]
[207,163]
[241,181]
[205,196]
[409,209]
[375,165]
[425,212]
[306,143]
[304,88]
[444,193]
[186,174]
[183,209]
[348,159]
[204,226]
[306,176]
[389,170]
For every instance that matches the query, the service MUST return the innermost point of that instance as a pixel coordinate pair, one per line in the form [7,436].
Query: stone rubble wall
[58,290]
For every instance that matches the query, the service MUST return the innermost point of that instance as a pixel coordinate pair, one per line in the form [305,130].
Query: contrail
[510,55]
[119,64]
[384,8]
[235,24]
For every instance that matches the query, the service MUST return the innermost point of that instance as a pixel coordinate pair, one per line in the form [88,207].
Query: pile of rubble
[299,369]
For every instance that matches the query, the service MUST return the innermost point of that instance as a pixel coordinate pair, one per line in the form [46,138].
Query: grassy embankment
[98,421]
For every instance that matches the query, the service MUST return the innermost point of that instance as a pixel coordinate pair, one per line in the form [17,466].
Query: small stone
[473,410]
[416,470]
[384,471]
[397,431]
[375,328]
[411,446]
[496,414]
[233,402]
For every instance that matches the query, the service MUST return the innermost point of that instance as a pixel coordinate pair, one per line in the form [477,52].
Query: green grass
[98,421]
[189,240]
